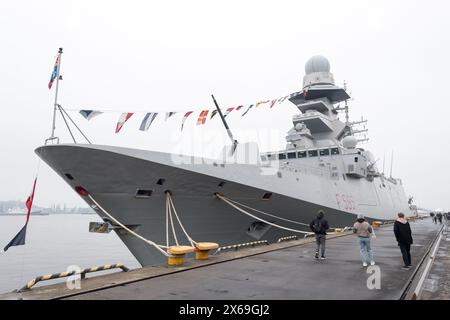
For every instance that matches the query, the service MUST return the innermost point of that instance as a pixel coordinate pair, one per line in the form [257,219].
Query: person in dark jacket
[320,226]
[402,231]
[439,217]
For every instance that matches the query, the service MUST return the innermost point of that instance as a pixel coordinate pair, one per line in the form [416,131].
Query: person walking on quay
[439,217]
[434,216]
[320,226]
[364,232]
[402,231]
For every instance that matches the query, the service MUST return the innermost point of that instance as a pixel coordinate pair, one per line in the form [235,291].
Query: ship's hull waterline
[112,176]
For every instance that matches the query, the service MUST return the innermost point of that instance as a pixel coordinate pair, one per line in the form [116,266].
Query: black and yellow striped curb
[240,245]
[32,282]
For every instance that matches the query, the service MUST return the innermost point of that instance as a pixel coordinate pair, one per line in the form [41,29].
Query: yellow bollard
[337,230]
[376,224]
[177,253]
[202,249]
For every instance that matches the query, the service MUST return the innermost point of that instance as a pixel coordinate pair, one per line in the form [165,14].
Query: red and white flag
[19,239]
[186,115]
[29,202]
[202,117]
[123,118]
[228,111]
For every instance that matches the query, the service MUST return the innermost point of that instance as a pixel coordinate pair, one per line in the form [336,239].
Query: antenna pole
[233,141]
[55,105]
[392,160]
[347,122]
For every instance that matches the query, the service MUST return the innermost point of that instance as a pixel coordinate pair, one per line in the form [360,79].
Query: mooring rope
[193,243]
[157,246]
[257,218]
[267,214]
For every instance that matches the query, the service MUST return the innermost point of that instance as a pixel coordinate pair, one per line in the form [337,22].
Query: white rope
[179,221]
[268,214]
[167,223]
[157,246]
[257,218]
[171,221]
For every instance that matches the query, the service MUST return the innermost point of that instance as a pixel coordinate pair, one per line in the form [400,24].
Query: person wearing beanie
[364,232]
[403,235]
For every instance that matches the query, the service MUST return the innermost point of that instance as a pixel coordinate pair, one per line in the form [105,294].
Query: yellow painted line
[93,269]
[46,277]
[63,274]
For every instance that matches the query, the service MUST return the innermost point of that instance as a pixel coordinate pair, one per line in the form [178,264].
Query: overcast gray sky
[171,55]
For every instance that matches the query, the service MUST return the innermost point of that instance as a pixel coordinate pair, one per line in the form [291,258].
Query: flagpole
[55,105]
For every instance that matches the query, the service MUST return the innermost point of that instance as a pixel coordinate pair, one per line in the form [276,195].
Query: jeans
[406,254]
[320,241]
[365,249]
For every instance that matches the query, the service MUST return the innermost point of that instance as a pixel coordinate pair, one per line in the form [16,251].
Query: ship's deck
[284,270]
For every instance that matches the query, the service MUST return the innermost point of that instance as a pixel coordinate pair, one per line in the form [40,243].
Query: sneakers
[322,258]
[317,256]
[372,263]
[364,264]
[405,268]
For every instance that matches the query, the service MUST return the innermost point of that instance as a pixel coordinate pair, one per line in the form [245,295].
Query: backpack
[317,225]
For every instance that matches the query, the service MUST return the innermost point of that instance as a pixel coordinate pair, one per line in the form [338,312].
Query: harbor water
[53,243]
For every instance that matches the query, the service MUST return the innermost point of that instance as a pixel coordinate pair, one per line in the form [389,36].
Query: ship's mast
[55,105]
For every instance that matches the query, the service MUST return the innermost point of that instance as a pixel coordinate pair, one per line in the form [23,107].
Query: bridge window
[263,158]
[301,154]
[334,151]
[324,152]
[282,156]
[291,155]
[312,153]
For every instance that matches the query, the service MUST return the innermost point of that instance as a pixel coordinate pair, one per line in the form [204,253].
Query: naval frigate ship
[321,167]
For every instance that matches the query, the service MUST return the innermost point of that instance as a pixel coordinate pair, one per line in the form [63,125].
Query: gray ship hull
[112,175]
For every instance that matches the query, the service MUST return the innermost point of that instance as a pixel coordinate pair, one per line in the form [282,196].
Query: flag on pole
[248,109]
[147,121]
[54,73]
[228,112]
[169,114]
[19,239]
[239,108]
[186,115]
[89,114]
[123,118]
[202,117]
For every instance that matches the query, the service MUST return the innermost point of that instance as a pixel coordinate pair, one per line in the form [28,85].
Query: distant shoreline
[42,214]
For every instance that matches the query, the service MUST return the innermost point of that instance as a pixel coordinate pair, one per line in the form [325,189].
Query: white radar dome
[349,142]
[317,64]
